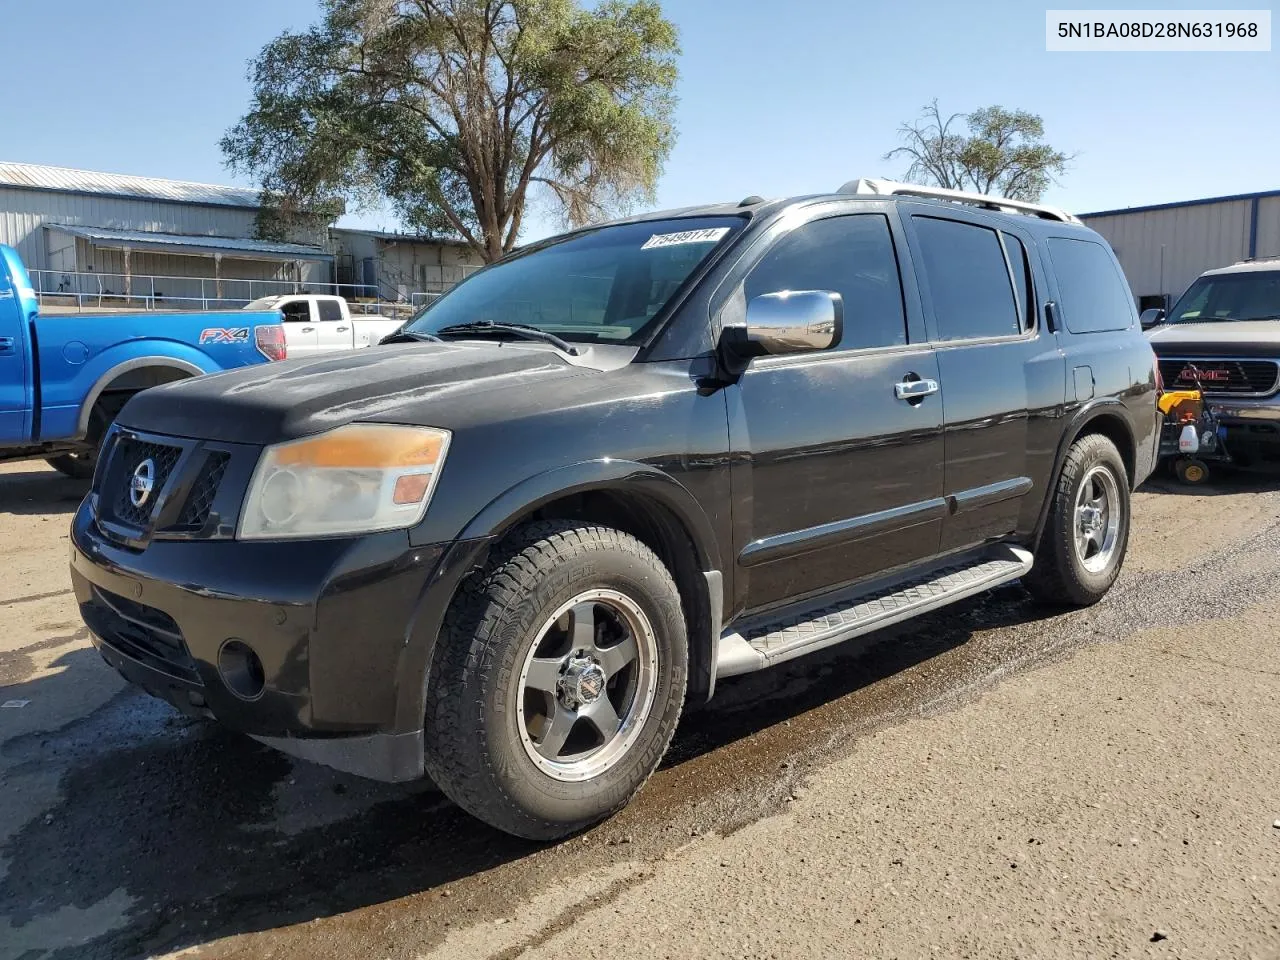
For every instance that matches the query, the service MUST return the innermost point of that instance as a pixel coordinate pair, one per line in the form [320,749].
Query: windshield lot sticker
[224,335]
[710,235]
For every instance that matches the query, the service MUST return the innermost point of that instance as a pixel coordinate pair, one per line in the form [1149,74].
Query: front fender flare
[623,476]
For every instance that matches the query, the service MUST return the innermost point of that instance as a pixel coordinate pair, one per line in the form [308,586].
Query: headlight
[355,479]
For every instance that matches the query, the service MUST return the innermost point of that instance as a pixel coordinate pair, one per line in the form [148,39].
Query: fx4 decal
[224,335]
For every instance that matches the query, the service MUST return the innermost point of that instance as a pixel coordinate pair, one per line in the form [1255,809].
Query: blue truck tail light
[269,338]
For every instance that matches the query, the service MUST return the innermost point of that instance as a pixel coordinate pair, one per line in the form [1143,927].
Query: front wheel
[558,680]
[1087,533]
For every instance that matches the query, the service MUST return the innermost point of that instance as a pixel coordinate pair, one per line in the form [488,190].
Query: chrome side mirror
[1151,317]
[791,321]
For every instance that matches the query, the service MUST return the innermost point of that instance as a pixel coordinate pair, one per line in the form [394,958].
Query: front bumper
[343,629]
[1249,428]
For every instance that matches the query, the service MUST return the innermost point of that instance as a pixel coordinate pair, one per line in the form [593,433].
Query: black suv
[593,480]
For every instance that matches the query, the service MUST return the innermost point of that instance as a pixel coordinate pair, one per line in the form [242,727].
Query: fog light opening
[241,670]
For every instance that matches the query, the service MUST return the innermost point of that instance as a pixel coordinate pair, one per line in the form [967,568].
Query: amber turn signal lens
[411,488]
[365,445]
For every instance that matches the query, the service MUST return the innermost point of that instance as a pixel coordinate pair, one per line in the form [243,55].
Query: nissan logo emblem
[142,481]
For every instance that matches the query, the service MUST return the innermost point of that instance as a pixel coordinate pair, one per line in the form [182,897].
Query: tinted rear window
[968,280]
[1094,295]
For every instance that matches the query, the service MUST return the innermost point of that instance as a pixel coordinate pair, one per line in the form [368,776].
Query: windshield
[262,303]
[1249,295]
[606,286]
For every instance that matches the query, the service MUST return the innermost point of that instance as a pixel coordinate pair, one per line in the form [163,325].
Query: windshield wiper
[516,329]
[1273,316]
[409,336]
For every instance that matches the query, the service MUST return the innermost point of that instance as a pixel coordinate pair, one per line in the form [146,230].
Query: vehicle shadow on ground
[210,834]
[40,492]
[1221,482]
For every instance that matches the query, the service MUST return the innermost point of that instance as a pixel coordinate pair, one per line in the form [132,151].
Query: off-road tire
[77,466]
[81,464]
[473,749]
[1058,576]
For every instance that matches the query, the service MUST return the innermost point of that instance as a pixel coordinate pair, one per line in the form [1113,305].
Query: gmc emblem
[1190,372]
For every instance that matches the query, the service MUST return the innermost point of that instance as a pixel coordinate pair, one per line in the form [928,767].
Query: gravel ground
[990,781]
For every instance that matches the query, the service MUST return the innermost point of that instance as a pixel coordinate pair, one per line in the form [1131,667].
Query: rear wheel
[1087,533]
[558,680]
[78,466]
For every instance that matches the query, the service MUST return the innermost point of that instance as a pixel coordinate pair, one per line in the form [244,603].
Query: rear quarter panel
[80,355]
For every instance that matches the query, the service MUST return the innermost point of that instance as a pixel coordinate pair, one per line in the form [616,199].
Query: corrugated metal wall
[413,265]
[23,213]
[1269,227]
[1162,251]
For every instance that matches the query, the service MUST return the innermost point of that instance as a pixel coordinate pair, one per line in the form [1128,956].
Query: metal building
[83,233]
[100,240]
[1166,246]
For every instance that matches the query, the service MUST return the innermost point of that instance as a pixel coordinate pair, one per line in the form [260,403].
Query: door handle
[308,329]
[342,329]
[6,345]
[914,389]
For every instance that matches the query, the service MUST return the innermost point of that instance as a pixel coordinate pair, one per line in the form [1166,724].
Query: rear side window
[968,280]
[852,256]
[329,310]
[1094,295]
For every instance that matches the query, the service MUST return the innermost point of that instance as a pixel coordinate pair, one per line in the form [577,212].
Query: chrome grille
[1220,375]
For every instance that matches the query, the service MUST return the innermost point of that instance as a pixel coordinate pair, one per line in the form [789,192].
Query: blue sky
[775,98]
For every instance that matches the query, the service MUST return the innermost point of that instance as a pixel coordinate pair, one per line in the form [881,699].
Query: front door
[1004,379]
[843,478]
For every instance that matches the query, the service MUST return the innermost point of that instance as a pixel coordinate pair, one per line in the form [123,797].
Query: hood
[1223,338]
[409,383]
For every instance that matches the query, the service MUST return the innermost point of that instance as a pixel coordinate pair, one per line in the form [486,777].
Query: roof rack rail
[893,188]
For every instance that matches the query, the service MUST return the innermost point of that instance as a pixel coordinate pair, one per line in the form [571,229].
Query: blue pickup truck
[63,379]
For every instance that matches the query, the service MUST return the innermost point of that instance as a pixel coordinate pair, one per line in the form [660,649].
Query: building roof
[231,247]
[1184,203]
[392,237]
[35,176]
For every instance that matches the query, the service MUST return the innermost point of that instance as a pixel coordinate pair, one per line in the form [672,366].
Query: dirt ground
[990,781]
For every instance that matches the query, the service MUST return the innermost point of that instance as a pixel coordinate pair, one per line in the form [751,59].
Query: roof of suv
[1246,266]
[879,190]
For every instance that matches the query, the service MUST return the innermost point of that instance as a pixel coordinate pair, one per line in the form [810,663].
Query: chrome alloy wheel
[587,685]
[1097,519]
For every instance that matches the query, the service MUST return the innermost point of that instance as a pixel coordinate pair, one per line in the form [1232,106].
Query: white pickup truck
[319,323]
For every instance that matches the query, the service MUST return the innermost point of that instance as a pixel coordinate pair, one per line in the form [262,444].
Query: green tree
[991,150]
[456,111]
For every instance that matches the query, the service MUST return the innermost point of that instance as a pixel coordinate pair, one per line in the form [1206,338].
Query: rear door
[15,366]
[837,477]
[301,333]
[333,328]
[980,280]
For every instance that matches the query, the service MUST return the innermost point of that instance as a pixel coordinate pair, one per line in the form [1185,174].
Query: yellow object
[1172,398]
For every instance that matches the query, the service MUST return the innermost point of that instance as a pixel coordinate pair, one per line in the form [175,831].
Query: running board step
[762,643]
